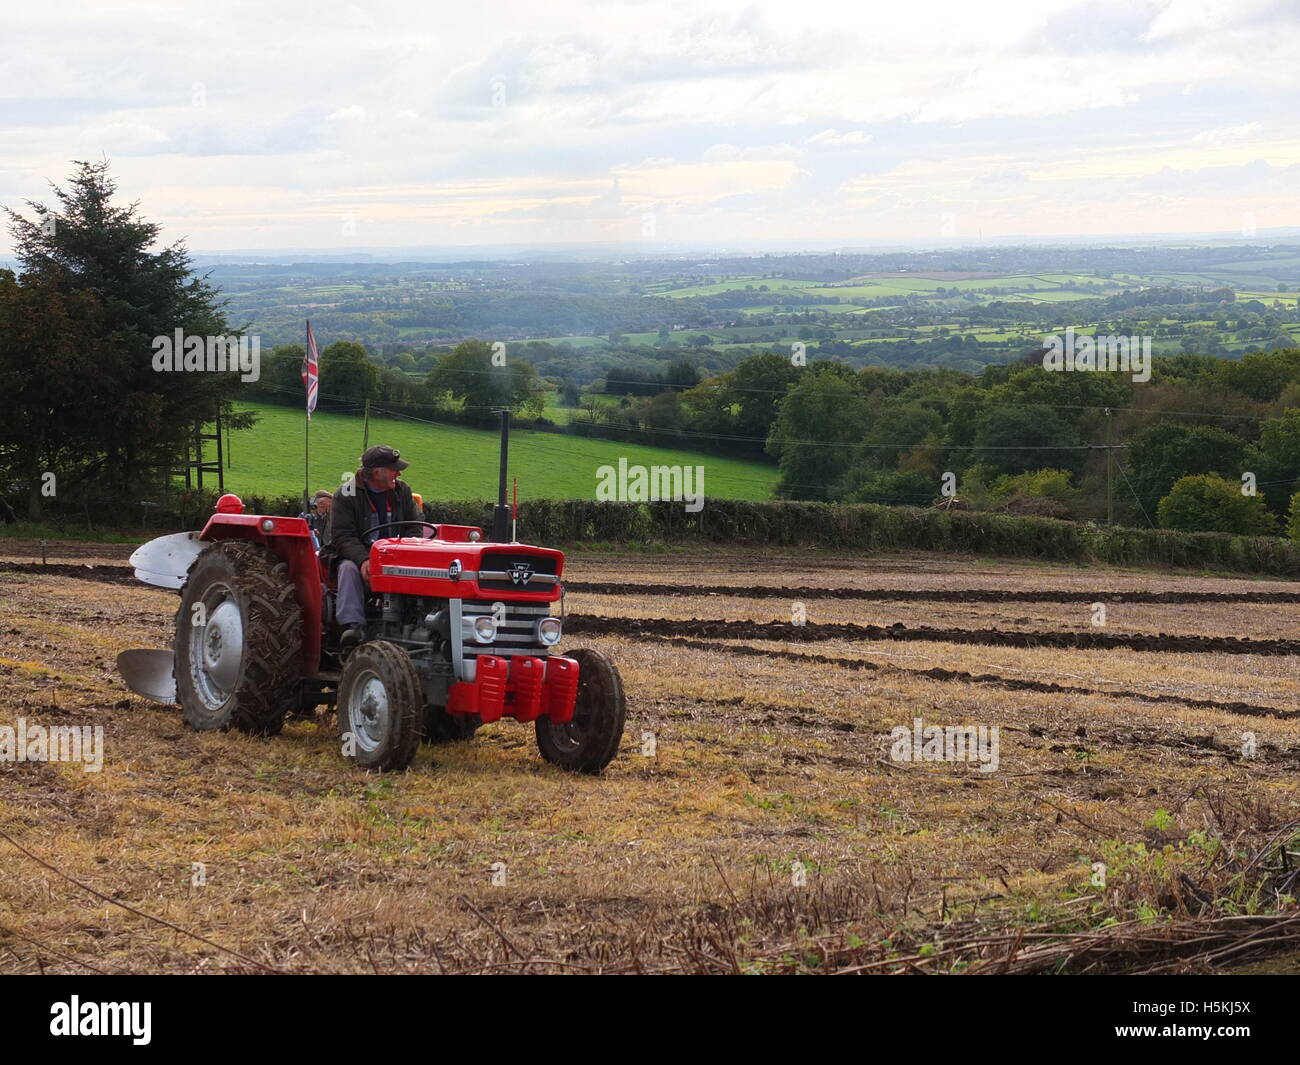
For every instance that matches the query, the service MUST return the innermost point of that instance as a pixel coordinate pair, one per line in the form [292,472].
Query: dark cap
[381,455]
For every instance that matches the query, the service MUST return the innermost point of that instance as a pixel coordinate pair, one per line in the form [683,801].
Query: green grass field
[1047,296]
[1268,298]
[563,415]
[1041,287]
[559,415]
[455,462]
[774,284]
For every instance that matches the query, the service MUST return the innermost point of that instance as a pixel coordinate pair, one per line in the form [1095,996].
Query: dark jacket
[351,518]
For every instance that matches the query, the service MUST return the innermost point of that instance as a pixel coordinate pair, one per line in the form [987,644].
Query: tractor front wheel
[588,742]
[380,706]
[238,647]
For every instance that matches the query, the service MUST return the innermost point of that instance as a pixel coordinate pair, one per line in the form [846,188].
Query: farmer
[374,497]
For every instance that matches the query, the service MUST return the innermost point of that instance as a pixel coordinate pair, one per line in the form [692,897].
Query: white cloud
[494,120]
[830,138]
[1187,17]
[127,137]
[1228,134]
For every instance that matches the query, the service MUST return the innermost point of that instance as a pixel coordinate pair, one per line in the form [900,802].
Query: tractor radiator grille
[516,636]
[504,570]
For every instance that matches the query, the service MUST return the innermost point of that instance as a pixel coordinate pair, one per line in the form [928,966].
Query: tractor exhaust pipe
[501,513]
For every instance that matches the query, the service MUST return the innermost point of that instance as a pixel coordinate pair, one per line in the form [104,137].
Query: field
[1006,298]
[874,286]
[928,305]
[1162,743]
[268,459]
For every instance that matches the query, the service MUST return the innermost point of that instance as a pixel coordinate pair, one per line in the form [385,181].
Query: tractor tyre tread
[599,683]
[271,675]
[394,666]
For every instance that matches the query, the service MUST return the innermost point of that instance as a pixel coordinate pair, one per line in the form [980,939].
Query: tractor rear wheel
[238,646]
[588,742]
[442,727]
[380,706]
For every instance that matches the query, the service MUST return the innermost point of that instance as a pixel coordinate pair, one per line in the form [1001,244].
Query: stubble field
[1142,815]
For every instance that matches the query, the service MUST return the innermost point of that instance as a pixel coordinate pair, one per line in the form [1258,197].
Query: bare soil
[770,748]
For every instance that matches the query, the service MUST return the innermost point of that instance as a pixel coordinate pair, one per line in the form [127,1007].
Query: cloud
[830,138]
[1228,134]
[1202,18]
[725,153]
[492,121]
[124,138]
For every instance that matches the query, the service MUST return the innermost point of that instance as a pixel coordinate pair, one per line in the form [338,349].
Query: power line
[861,446]
[535,436]
[1135,495]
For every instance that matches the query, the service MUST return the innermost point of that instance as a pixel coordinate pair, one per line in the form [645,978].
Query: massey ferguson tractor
[459,632]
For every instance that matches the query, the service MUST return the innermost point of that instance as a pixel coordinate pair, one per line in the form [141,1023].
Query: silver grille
[516,636]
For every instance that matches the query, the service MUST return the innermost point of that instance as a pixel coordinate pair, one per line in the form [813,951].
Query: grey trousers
[350,606]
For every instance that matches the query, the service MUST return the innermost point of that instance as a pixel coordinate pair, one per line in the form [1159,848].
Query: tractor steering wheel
[385,525]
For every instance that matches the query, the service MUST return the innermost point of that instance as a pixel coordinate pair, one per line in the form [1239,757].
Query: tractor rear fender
[290,539]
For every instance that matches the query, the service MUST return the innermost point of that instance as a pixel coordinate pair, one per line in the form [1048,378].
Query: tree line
[1206,443]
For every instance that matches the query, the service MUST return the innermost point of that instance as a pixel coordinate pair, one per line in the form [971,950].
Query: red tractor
[459,631]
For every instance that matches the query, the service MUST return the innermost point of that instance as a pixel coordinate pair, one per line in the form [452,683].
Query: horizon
[589,251]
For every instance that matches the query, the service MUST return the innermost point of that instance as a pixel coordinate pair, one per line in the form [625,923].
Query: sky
[326,126]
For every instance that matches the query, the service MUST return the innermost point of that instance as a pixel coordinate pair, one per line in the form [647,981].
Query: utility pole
[501,513]
[365,432]
[1110,475]
[221,458]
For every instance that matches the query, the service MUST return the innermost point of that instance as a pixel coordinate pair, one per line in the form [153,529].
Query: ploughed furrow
[992,679]
[118,573]
[105,574]
[927,595]
[598,625]
[760,714]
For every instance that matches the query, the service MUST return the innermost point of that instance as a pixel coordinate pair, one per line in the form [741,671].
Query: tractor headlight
[549,631]
[485,629]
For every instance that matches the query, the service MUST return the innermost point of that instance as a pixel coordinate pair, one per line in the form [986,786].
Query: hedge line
[858,528]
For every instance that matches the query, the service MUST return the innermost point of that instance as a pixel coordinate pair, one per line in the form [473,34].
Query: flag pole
[306,428]
[311,385]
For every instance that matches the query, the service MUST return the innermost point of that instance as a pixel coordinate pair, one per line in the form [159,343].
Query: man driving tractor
[467,634]
[375,496]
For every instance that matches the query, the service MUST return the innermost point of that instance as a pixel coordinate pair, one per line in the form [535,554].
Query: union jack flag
[311,371]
